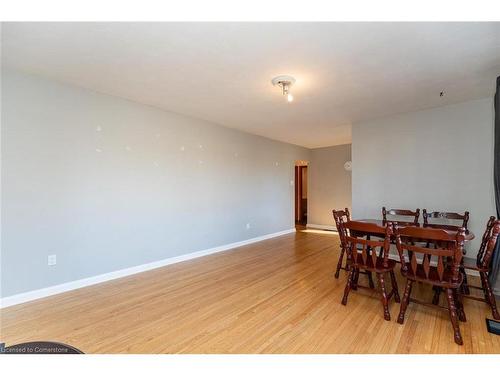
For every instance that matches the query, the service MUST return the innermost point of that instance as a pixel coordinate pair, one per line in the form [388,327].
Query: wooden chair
[341,217]
[464,219]
[362,254]
[398,212]
[439,267]
[482,264]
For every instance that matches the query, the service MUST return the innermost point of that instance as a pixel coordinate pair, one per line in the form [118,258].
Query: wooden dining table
[452,230]
[469,235]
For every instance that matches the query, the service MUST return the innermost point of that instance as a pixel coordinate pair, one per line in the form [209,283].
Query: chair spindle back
[341,217]
[361,251]
[464,218]
[399,212]
[447,255]
[488,243]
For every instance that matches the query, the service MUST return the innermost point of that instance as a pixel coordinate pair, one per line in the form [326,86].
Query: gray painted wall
[439,159]
[106,184]
[329,183]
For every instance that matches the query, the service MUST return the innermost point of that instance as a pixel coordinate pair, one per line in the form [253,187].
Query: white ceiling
[221,72]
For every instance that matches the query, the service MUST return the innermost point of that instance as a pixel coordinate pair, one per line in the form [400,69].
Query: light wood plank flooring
[276,296]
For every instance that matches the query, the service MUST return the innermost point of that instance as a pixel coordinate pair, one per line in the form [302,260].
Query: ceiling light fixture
[284,82]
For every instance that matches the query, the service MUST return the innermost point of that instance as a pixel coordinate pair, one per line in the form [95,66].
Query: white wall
[439,159]
[329,184]
[106,184]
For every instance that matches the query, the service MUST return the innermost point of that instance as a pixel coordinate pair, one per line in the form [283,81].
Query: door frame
[298,192]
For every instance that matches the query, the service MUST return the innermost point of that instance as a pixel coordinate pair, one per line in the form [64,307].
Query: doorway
[301,192]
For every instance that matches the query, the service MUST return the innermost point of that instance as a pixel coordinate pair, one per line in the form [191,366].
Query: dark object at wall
[493,326]
[495,264]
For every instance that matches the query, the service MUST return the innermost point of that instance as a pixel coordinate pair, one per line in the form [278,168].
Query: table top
[448,228]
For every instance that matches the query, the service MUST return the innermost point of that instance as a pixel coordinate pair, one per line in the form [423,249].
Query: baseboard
[321,226]
[77,284]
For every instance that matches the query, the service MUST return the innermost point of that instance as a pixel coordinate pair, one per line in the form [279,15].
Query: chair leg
[453,316]
[355,279]
[370,279]
[460,304]
[348,285]
[405,301]
[488,295]
[465,286]
[395,287]
[339,263]
[437,292]
[385,300]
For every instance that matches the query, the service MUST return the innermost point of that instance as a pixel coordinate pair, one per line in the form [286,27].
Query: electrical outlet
[52,260]
[248,225]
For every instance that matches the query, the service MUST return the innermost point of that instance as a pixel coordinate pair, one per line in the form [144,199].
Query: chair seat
[378,266]
[471,264]
[433,278]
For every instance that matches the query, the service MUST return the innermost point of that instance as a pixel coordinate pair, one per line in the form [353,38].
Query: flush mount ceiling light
[284,82]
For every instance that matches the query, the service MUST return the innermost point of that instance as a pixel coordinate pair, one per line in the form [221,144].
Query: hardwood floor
[276,296]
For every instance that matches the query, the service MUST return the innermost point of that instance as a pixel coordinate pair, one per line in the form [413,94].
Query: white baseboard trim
[77,284]
[321,226]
